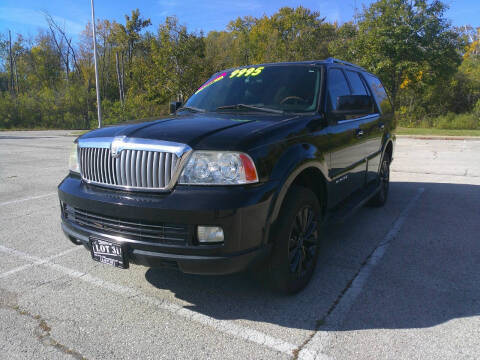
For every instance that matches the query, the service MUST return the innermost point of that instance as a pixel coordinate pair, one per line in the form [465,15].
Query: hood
[227,130]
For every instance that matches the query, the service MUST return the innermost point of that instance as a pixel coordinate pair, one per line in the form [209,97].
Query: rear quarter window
[379,93]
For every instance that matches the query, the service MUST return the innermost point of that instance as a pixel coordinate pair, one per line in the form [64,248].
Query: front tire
[296,241]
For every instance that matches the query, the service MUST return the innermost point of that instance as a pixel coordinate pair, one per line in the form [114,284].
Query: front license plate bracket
[108,252]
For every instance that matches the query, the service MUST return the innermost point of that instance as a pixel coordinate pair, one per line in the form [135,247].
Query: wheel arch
[388,147]
[311,175]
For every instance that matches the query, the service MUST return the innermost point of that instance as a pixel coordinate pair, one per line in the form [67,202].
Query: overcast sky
[26,17]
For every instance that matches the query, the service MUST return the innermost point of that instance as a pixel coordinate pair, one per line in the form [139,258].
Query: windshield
[290,88]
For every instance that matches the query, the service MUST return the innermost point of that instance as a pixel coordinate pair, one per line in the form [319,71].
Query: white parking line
[224,326]
[35,262]
[315,348]
[26,199]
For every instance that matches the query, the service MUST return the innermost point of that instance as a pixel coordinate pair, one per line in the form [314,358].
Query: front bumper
[242,212]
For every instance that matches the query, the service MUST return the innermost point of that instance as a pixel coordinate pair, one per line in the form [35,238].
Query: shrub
[457,121]
[476,110]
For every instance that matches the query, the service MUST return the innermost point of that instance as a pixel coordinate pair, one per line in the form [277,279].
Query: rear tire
[296,241]
[381,196]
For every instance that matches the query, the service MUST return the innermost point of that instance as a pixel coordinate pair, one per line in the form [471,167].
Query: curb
[439,137]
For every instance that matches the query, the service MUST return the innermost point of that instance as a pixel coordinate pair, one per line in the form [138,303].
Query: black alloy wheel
[384,179]
[303,241]
[296,238]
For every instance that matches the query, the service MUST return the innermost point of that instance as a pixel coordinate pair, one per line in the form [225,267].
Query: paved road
[398,282]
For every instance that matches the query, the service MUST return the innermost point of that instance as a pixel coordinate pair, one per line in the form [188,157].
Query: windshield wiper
[249,107]
[192,108]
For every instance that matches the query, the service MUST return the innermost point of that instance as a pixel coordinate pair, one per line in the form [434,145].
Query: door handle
[359,133]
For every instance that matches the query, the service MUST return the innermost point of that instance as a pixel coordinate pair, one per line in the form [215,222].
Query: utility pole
[97,85]
[355,15]
[10,58]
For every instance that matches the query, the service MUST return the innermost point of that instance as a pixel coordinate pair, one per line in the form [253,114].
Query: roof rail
[332,60]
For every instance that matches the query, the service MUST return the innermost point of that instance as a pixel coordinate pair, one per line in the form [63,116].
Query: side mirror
[174,105]
[353,105]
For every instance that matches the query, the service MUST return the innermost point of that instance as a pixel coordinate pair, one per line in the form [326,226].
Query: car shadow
[429,275]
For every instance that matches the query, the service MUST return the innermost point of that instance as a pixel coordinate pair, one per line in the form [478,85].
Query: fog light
[209,234]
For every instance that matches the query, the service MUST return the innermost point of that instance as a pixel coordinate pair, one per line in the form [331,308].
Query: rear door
[347,159]
[370,127]
[382,116]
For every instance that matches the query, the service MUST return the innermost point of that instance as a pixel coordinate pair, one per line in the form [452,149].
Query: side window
[337,86]
[379,93]
[358,88]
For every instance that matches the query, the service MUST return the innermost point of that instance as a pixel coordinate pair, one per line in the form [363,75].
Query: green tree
[406,43]
[219,47]
[176,66]
[48,80]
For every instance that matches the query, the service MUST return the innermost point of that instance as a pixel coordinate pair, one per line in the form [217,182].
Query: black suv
[244,174]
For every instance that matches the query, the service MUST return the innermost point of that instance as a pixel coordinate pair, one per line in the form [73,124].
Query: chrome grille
[133,169]
[131,163]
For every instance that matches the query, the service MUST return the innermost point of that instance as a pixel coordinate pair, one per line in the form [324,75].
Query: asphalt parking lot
[401,282]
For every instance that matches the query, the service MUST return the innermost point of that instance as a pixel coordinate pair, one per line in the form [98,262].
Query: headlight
[219,168]
[73,160]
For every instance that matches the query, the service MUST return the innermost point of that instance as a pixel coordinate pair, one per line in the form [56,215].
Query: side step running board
[354,203]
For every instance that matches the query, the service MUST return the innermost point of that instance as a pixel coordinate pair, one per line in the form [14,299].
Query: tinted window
[358,88]
[379,93]
[281,87]
[337,86]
